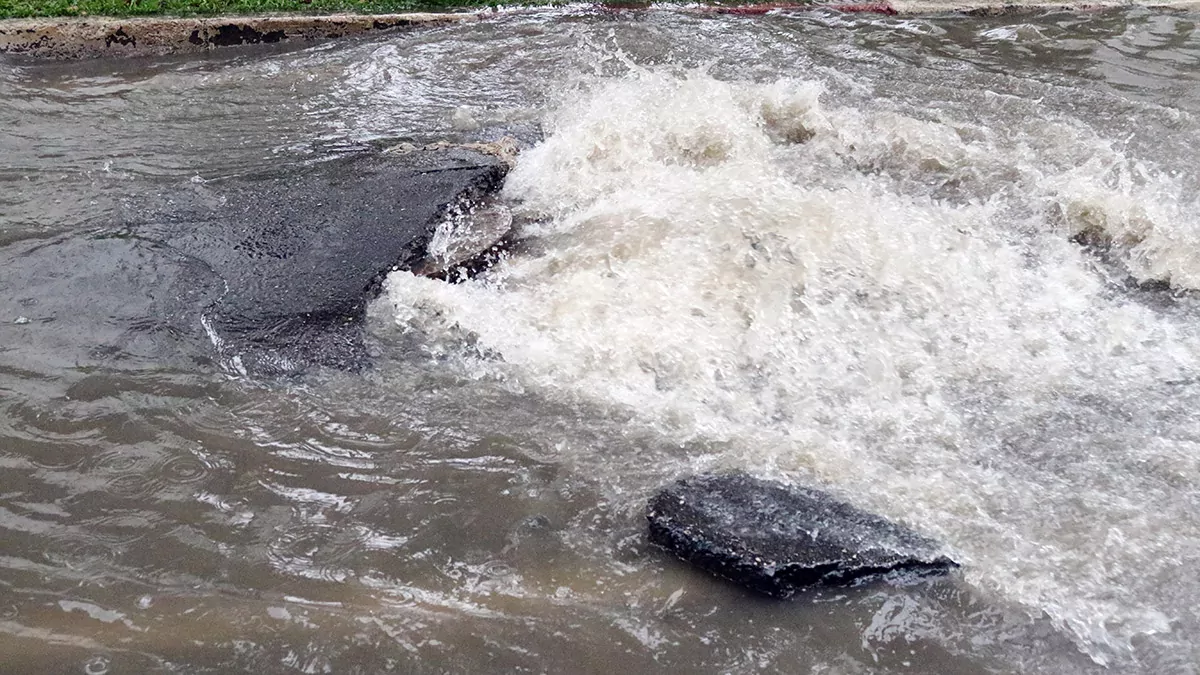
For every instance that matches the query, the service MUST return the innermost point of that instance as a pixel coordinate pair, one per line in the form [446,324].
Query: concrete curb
[72,38]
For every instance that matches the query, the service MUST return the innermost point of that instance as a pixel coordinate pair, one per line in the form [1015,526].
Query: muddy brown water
[830,248]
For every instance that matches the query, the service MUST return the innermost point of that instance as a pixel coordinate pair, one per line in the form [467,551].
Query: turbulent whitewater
[891,303]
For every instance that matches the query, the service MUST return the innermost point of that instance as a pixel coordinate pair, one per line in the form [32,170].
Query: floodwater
[946,268]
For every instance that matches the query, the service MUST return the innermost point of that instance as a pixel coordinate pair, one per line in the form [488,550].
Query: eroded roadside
[70,38]
[86,37]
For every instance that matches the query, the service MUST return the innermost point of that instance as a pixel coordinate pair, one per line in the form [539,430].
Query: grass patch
[10,9]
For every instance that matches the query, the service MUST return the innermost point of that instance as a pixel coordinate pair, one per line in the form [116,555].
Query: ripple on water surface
[840,249]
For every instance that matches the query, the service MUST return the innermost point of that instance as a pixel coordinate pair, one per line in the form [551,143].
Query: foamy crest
[1141,213]
[735,262]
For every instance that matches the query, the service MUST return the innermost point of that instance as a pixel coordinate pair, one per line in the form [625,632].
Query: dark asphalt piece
[271,274]
[777,539]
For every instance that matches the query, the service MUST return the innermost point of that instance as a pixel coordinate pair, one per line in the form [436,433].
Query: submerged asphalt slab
[266,274]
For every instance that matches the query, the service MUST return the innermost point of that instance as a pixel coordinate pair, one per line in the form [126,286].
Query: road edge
[86,37]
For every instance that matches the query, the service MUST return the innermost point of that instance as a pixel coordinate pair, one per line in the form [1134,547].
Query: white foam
[737,263]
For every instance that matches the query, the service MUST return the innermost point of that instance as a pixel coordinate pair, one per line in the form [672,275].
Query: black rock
[776,539]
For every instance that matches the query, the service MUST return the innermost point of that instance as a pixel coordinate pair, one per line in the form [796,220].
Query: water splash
[890,305]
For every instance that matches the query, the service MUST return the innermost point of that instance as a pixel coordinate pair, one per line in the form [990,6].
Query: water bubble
[401,596]
[97,665]
[497,569]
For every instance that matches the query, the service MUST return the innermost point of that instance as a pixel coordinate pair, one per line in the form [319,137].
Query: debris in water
[471,237]
[775,539]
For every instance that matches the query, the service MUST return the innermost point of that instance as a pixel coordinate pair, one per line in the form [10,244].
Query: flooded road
[945,268]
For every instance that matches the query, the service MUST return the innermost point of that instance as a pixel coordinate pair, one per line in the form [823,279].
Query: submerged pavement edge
[84,37]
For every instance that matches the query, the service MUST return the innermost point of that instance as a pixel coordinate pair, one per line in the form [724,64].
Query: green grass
[52,8]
